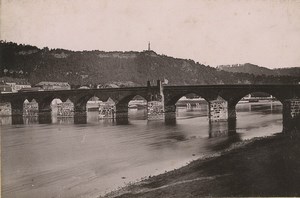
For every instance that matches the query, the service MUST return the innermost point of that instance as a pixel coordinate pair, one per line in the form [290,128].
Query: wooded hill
[258,70]
[121,68]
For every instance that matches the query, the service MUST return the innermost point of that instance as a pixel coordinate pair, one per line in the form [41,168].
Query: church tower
[149,46]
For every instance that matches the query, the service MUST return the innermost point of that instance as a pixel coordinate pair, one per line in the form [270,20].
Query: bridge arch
[60,108]
[138,108]
[173,99]
[17,108]
[191,102]
[242,93]
[93,104]
[54,106]
[260,95]
[259,108]
[172,103]
[127,98]
[45,102]
[99,109]
[80,100]
[122,104]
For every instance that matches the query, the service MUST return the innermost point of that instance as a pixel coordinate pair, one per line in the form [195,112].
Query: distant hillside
[257,70]
[292,71]
[121,68]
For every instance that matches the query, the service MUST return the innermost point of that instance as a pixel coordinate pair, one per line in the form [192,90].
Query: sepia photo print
[149,98]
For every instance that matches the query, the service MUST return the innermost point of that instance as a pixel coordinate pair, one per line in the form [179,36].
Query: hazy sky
[212,32]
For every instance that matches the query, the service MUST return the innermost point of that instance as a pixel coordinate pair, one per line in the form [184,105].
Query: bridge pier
[223,128]
[121,114]
[80,117]
[44,112]
[220,110]
[155,103]
[222,117]
[45,116]
[155,110]
[17,112]
[80,114]
[291,115]
[231,113]
[170,114]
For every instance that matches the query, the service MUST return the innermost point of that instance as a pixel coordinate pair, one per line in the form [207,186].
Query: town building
[54,85]
[65,109]
[107,109]
[30,108]
[5,109]
[31,89]
[5,88]
[16,86]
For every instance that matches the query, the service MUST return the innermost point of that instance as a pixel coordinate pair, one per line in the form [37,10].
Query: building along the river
[54,85]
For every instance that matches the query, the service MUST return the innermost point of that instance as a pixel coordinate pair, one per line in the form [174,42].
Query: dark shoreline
[268,166]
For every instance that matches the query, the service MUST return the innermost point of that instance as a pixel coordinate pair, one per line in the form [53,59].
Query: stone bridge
[222,100]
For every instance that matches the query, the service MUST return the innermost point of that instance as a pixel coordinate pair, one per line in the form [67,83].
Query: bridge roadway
[221,98]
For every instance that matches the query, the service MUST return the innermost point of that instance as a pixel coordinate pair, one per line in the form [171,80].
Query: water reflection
[5,120]
[224,128]
[215,129]
[17,119]
[137,114]
[261,107]
[30,119]
[62,120]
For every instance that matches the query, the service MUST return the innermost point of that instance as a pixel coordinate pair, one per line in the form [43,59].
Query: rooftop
[53,83]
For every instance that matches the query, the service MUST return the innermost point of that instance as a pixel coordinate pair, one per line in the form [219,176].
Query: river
[63,159]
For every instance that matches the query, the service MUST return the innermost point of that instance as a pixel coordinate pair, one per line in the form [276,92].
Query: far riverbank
[267,166]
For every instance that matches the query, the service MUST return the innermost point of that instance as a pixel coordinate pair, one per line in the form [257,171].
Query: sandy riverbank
[258,167]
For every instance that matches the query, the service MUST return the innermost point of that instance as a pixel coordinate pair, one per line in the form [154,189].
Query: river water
[63,159]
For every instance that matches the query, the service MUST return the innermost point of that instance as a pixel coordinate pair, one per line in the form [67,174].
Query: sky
[212,32]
